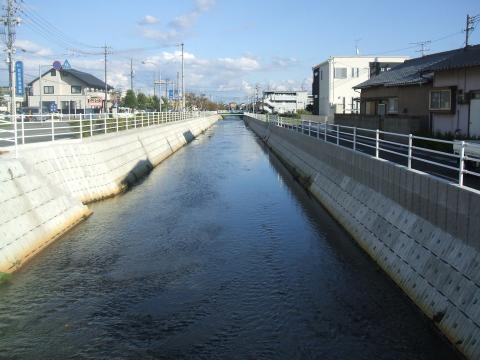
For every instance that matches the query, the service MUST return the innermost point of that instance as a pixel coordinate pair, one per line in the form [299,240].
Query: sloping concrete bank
[423,231]
[42,194]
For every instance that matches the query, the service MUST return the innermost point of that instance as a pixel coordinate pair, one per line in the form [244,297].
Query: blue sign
[170,94]
[53,107]
[57,65]
[19,84]
[66,65]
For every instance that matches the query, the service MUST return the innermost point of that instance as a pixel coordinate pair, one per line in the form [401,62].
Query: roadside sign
[19,84]
[57,65]
[66,65]
[170,94]
[53,107]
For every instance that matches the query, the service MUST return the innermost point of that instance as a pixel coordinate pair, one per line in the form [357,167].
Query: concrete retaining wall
[423,231]
[42,193]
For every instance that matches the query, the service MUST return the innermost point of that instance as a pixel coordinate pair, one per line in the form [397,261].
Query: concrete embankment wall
[423,231]
[43,192]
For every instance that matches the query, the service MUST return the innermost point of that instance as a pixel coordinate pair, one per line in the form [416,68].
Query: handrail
[454,158]
[22,129]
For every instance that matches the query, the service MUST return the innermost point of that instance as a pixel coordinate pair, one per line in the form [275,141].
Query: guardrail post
[81,127]
[462,163]
[354,138]
[15,135]
[23,129]
[53,127]
[377,143]
[105,122]
[116,122]
[325,131]
[148,119]
[91,125]
[318,130]
[410,143]
[309,128]
[338,134]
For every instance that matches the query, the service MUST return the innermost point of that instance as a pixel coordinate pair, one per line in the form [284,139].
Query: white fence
[453,160]
[24,129]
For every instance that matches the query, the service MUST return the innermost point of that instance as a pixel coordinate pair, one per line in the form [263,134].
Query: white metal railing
[24,129]
[442,158]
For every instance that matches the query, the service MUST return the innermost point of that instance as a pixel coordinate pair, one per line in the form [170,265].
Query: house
[283,102]
[402,90]
[454,99]
[69,91]
[442,87]
[335,78]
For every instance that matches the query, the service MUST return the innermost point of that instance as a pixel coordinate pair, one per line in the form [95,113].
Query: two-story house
[69,91]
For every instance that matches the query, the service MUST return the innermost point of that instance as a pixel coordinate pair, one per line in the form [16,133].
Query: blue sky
[231,45]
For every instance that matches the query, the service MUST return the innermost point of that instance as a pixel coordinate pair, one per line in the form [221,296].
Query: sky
[231,46]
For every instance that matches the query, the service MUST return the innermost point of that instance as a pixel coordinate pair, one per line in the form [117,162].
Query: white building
[69,91]
[283,102]
[334,79]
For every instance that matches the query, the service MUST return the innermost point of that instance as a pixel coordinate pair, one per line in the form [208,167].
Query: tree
[130,99]
[142,101]
[155,103]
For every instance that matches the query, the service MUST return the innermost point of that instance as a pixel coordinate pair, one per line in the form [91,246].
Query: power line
[10,21]
[471,22]
[423,46]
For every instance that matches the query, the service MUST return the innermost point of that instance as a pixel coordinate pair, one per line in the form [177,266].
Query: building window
[76,89]
[393,105]
[441,100]
[321,74]
[355,72]
[53,72]
[340,73]
[48,90]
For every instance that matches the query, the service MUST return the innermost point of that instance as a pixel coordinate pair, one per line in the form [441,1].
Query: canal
[217,254]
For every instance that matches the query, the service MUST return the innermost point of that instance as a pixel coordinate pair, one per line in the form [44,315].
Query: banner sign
[19,84]
[95,101]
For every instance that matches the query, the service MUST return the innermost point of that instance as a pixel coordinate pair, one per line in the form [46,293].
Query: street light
[183,76]
[155,83]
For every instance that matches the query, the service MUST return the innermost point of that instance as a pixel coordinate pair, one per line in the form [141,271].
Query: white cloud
[177,28]
[149,20]
[204,5]
[33,48]
[239,64]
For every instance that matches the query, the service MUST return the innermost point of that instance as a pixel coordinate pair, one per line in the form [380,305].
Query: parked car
[31,113]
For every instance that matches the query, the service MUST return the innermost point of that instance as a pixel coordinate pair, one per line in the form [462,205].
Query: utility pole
[423,47]
[471,21]
[105,53]
[10,21]
[176,92]
[183,83]
[131,74]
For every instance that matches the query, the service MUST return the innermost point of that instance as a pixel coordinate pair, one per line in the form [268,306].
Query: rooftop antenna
[423,46]
[357,50]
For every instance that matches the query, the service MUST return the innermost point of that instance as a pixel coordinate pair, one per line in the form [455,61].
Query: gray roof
[411,72]
[466,57]
[90,80]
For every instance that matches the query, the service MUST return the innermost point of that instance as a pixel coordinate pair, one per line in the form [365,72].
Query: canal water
[218,254]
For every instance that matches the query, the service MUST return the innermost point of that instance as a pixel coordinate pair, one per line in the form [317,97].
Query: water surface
[218,254]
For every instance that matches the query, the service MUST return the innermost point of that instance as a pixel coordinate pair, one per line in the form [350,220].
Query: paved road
[367,146]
